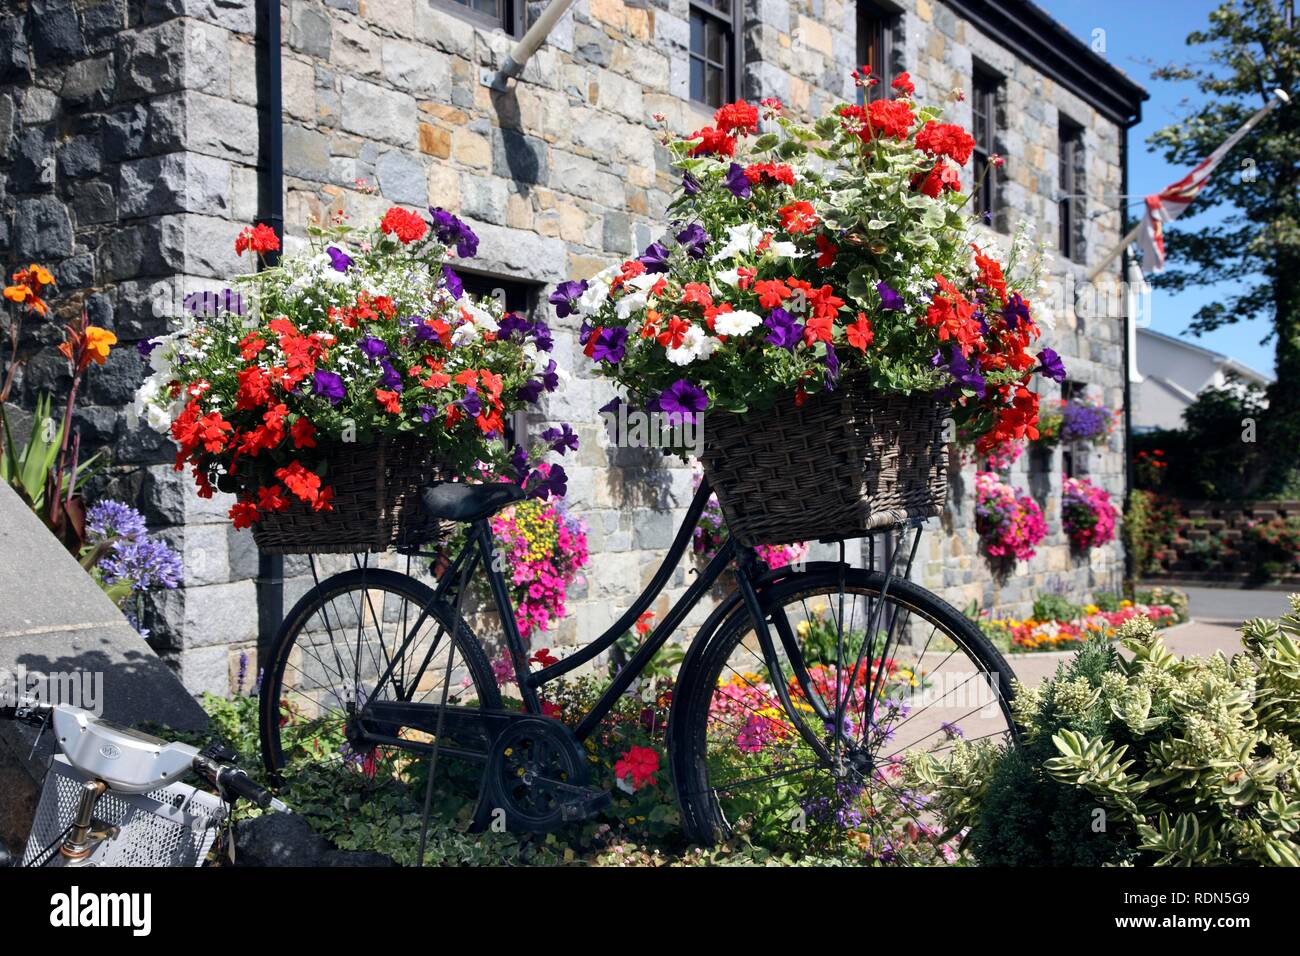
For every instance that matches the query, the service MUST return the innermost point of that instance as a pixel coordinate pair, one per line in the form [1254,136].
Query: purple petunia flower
[561,439]
[145,346]
[694,240]
[1050,364]
[655,258]
[452,283]
[564,295]
[373,348]
[889,299]
[551,485]
[451,231]
[737,181]
[214,303]
[427,413]
[690,185]
[329,386]
[682,401]
[390,377]
[964,375]
[611,345]
[471,404]
[511,323]
[542,336]
[785,331]
[519,462]
[1016,311]
[832,369]
[339,259]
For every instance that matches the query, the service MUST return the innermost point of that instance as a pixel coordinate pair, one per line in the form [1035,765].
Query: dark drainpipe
[1129,570]
[270,204]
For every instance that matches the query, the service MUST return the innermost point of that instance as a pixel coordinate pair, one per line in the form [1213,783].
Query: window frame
[884,20]
[511,21]
[1069,146]
[986,88]
[731,19]
[483,283]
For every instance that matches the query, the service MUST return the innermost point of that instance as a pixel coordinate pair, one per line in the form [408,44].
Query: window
[985,87]
[876,47]
[519,297]
[1069,135]
[713,51]
[505,15]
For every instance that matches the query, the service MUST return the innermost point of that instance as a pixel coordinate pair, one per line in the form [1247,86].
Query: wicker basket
[845,463]
[376,504]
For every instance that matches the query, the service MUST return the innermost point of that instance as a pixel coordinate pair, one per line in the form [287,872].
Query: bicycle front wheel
[801,748]
[364,635]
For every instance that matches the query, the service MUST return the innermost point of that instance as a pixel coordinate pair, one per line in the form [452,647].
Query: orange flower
[27,287]
[98,343]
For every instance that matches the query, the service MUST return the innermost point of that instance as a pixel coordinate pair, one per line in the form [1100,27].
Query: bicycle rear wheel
[346,634]
[802,750]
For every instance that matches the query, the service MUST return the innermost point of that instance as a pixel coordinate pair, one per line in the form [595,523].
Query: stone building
[134,138]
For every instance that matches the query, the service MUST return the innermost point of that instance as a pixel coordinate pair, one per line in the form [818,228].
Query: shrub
[1054,607]
[1181,760]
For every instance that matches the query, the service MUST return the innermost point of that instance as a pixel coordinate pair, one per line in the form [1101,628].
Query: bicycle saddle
[458,501]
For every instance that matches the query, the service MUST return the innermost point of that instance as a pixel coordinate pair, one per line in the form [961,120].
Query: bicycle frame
[479,549]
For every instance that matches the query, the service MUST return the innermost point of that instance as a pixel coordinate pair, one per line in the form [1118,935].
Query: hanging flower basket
[375,505]
[841,464]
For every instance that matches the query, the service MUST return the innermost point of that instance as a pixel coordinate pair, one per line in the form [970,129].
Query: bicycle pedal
[583,805]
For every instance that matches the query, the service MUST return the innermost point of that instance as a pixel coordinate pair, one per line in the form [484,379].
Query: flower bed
[1030,635]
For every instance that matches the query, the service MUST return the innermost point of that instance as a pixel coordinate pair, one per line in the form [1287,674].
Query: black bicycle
[793,710]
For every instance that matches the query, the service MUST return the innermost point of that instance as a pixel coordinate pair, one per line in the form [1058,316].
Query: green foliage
[1107,601]
[1149,525]
[1158,760]
[27,468]
[1054,607]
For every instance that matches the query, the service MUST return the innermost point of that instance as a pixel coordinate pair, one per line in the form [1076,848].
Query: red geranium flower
[890,118]
[798,217]
[244,514]
[406,225]
[640,764]
[389,400]
[303,483]
[714,141]
[737,117]
[903,83]
[260,238]
[945,139]
[860,332]
[303,433]
[826,252]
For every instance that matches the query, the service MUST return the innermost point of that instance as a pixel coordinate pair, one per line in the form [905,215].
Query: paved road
[1232,606]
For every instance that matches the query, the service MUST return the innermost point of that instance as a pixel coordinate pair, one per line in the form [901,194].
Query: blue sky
[1138,34]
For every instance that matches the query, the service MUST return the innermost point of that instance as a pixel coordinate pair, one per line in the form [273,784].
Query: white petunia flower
[743,238]
[695,345]
[735,323]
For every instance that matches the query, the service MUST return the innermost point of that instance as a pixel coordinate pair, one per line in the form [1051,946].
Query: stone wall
[1209,541]
[149,110]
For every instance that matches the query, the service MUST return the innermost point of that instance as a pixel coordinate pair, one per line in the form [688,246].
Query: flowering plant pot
[323,390]
[817,259]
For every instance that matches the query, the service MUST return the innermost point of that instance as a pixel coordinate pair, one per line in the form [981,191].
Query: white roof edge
[1221,360]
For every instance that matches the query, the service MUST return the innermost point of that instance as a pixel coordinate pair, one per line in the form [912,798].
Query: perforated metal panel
[172,826]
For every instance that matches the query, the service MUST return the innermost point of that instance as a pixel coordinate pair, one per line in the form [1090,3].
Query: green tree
[1248,49]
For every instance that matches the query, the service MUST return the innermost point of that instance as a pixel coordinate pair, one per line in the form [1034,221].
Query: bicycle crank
[538,779]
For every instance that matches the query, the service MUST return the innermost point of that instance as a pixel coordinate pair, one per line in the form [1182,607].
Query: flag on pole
[1168,204]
